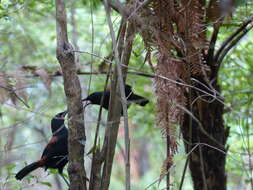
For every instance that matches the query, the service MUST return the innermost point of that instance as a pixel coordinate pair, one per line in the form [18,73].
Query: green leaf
[93,149]
[29,178]
[52,171]
[10,167]
[46,183]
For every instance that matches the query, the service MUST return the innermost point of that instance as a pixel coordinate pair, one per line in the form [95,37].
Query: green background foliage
[28,38]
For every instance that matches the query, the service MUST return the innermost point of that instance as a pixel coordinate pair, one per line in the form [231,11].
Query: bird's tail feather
[26,170]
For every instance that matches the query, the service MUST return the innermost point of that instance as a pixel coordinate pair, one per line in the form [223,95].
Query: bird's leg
[65,180]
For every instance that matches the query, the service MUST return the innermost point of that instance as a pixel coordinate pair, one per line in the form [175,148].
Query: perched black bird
[55,155]
[95,98]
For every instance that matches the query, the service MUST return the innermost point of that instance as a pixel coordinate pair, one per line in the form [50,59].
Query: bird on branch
[96,97]
[55,154]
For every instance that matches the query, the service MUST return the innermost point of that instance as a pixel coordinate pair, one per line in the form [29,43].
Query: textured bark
[111,133]
[115,107]
[207,163]
[72,89]
[106,155]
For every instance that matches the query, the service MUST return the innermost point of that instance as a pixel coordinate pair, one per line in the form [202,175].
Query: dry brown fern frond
[157,16]
[170,74]
[177,28]
[167,163]
[176,31]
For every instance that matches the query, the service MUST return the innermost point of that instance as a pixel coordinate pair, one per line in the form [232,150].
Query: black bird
[55,154]
[95,98]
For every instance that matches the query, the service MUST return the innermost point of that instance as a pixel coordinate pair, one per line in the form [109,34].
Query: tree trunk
[207,161]
[72,89]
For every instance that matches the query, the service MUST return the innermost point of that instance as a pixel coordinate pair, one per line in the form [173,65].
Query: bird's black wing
[58,145]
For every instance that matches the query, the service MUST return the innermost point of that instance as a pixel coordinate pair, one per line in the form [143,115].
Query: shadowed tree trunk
[204,123]
[76,141]
[207,161]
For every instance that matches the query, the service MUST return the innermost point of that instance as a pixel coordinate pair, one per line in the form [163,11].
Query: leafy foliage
[29,67]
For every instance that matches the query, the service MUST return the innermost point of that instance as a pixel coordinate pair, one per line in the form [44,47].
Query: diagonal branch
[122,52]
[114,113]
[232,36]
[97,157]
[229,46]
[211,49]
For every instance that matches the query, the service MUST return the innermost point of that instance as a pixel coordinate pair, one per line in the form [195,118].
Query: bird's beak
[64,113]
[86,104]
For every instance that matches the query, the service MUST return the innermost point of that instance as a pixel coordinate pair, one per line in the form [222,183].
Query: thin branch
[115,6]
[58,74]
[111,132]
[123,50]
[12,91]
[202,166]
[232,36]
[183,175]
[65,180]
[122,72]
[122,93]
[231,45]
[96,158]
[93,54]
[211,49]
[92,43]
[169,155]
